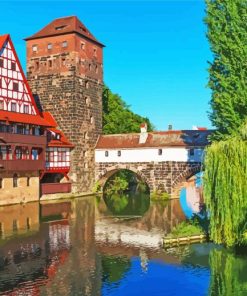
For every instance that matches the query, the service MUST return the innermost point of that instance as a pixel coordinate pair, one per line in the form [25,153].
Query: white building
[179,146]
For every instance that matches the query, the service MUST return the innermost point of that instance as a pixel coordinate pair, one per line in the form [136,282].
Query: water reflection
[78,247]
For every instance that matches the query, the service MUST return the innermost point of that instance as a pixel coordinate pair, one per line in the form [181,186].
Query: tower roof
[65,25]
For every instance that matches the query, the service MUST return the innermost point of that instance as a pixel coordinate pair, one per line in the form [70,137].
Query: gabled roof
[62,142]
[182,138]
[65,25]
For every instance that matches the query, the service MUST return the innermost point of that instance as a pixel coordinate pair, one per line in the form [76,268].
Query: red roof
[23,118]
[3,38]
[48,117]
[65,25]
[155,139]
[62,142]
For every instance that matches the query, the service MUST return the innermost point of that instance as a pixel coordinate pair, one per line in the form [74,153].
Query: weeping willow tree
[228,274]
[225,189]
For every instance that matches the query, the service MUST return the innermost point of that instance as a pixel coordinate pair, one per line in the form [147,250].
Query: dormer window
[60,27]
[35,48]
[49,46]
[13,66]
[57,137]
[64,44]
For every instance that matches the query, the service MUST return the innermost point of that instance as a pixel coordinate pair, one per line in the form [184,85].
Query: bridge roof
[182,138]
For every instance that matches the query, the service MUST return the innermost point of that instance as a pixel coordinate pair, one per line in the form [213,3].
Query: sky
[156,55]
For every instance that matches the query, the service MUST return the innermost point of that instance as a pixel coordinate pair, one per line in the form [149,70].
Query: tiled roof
[62,142]
[155,139]
[3,38]
[62,26]
[23,118]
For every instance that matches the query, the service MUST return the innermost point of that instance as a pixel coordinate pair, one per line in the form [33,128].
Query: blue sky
[155,57]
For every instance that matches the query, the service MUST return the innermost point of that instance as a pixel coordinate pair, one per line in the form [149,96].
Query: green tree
[117,116]
[227,32]
[225,189]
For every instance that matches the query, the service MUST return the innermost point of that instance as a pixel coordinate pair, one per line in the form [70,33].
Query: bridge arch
[108,172]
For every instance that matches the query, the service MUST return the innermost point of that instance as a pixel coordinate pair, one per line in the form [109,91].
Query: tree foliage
[117,116]
[225,189]
[227,32]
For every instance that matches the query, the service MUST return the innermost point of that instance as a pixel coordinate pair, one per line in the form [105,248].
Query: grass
[185,229]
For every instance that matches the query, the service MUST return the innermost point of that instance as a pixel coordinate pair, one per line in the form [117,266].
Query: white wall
[149,155]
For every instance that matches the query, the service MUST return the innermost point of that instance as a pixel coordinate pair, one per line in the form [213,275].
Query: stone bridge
[159,176]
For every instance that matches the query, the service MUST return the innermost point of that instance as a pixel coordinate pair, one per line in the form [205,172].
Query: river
[90,246]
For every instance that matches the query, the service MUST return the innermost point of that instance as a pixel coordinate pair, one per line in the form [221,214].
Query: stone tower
[65,73]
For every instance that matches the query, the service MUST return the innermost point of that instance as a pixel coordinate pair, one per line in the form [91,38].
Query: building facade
[24,133]
[65,72]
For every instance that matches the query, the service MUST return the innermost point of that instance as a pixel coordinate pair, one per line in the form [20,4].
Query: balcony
[20,139]
[52,188]
[22,165]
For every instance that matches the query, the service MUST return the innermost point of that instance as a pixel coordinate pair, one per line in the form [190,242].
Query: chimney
[169,127]
[144,134]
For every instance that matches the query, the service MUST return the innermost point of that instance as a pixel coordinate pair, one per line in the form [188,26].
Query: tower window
[96,69]
[15,226]
[119,153]
[15,180]
[87,84]
[50,63]
[160,151]
[35,48]
[37,65]
[90,67]
[64,44]
[94,52]
[83,46]
[15,86]
[106,153]
[49,46]
[91,119]
[13,66]
[13,107]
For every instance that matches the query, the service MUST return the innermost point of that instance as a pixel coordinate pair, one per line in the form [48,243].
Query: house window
[159,151]
[28,181]
[192,152]
[64,44]
[49,46]
[1,105]
[18,153]
[1,183]
[13,107]
[106,153]
[35,48]
[15,86]
[1,63]
[26,109]
[35,154]
[13,66]
[15,180]
[119,153]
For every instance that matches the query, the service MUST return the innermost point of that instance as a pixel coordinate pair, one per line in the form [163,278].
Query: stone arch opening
[110,172]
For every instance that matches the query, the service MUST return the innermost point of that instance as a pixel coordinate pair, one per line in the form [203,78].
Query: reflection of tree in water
[114,268]
[127,204]
[228,274]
